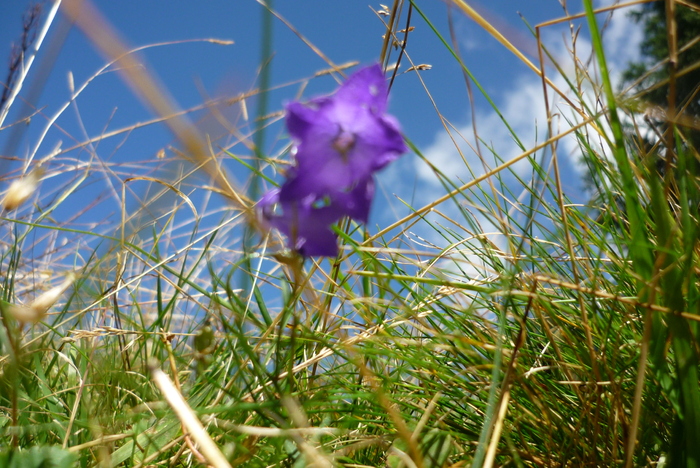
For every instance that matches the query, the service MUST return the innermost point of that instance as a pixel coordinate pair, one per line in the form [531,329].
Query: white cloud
[522,105]
[622,38]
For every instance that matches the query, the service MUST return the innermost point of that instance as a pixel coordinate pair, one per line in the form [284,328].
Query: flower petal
[365,88]
[308,228]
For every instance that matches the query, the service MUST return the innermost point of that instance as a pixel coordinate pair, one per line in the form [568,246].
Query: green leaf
[38,457]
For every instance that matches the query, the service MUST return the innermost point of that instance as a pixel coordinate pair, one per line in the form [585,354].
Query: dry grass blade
[189,420]
[169,186]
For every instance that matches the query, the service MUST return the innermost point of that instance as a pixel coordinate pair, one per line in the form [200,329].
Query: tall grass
[528,330]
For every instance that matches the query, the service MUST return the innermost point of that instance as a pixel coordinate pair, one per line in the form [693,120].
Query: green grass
[540,332]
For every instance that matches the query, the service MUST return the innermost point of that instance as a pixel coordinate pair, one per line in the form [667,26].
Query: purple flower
[339,142]
[307,222]
[307,227]
[343,138]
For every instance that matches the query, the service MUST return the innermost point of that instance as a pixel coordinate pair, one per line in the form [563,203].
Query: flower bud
[21,189]
[37,309]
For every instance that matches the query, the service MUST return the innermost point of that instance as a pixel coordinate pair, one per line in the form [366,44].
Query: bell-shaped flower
[307,222]
[344,138]
[340,141]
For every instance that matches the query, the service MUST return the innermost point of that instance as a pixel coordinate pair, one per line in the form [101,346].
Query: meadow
[160,312]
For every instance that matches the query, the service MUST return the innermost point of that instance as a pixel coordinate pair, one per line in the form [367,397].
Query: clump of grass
[529,330]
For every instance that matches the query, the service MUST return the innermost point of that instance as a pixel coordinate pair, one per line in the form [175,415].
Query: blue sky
[344,31]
